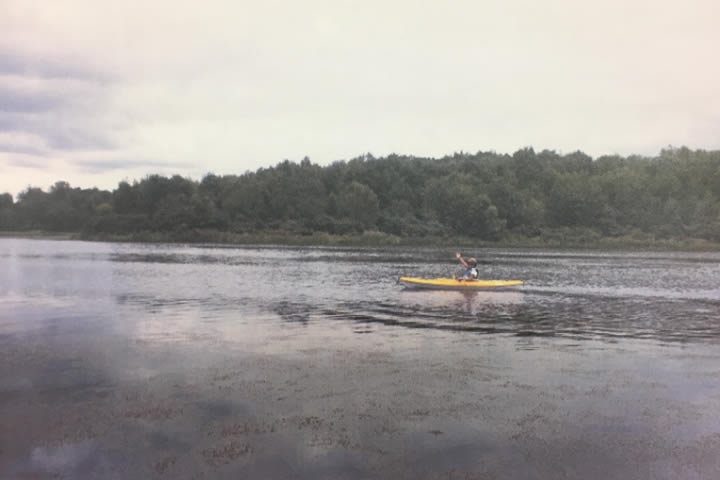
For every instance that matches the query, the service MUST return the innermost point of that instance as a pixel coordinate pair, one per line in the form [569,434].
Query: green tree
[358,202]
[462,205]
[6,200]
[575,201]
[126,198]
[483,195]
[7,218]
[32,208]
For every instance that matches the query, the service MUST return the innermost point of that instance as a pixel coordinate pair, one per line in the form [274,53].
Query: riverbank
[573,239]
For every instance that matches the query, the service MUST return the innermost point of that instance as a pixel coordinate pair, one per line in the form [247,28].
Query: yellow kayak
[453,284]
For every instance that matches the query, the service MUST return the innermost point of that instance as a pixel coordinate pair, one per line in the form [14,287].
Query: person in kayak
[470,265]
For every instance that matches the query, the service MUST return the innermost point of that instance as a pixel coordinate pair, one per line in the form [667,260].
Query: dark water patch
[164,440]
[219,410]
[602,255]
[51,256]
[175,258]
[294,312]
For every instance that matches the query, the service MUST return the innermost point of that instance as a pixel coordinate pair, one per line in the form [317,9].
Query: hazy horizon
[96,92]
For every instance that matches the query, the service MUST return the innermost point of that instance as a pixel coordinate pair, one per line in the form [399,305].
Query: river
[187,361]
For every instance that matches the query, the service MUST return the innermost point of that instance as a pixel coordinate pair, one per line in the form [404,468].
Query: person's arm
[462,260]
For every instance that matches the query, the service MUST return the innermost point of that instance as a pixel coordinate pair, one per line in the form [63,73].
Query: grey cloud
[74,139]
[12,63]
[7,123]
[23,149]
[19,122]
[62,108]
[55,135]
[15,101]
[105,165]
[28,161]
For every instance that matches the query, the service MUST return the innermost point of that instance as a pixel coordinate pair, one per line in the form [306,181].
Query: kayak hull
[453,284]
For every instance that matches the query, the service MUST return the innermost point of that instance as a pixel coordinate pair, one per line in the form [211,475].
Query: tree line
[484,195]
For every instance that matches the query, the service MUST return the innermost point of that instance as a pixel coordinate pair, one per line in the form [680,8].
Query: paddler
[470,265]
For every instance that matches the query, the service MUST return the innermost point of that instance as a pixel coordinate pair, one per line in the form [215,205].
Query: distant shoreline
[377,239]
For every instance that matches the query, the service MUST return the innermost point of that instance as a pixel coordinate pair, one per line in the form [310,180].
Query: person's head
[472,262]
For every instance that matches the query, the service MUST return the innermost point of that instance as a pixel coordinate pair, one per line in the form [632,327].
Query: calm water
[667,297]
[203,361]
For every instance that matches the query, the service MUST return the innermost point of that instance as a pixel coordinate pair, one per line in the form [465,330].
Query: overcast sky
[93,92]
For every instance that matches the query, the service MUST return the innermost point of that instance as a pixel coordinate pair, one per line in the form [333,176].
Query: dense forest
[483,196]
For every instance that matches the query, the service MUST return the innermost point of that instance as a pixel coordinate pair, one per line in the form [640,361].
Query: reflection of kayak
[453,284]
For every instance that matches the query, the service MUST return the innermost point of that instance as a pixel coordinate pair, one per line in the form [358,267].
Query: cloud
[26,161]
[77,138]
[66,112]
[112,164]
[38,66]
[23,149]
[52,132]
[28,149]
[232,86]
[14,101]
